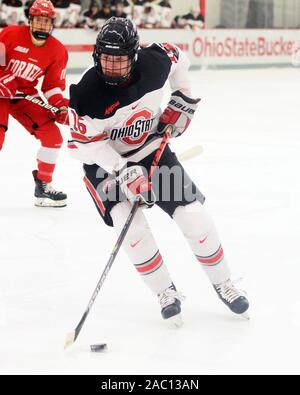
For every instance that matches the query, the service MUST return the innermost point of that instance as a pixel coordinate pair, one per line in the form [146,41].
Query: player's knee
[139,226]
[50,138]
[192,218]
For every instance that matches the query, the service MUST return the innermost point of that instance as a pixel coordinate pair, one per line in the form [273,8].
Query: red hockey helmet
[42,8]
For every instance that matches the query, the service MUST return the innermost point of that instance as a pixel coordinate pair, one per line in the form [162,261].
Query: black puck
[98,347]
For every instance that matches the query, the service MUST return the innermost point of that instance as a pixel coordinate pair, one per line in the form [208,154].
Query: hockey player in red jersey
[116,127]
[32,53]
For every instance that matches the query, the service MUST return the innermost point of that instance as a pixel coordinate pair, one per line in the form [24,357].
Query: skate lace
[228,291]
[48,188]
[168,297]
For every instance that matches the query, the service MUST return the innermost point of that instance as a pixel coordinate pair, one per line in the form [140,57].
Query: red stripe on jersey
[95,195]
[81,138]
[72,146]
[102,136]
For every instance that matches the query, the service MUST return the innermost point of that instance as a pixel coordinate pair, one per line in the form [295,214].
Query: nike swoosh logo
[134,244]
[134,107]
[203,240]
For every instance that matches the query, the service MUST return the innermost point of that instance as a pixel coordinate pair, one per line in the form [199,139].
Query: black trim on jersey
[83,142]
[149,140]
[93,97]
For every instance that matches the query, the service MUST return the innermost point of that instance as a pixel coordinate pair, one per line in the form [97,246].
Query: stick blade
[191,153]
[70,339]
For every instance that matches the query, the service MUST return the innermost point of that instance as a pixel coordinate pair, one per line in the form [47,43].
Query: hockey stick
[34,100]
[184,156]
[72,336]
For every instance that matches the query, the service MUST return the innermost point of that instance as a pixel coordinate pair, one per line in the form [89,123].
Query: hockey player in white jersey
[116,127]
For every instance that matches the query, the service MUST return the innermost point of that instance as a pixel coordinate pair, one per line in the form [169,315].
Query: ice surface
[248,124]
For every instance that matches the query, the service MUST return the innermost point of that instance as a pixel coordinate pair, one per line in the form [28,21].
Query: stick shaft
[121,237]
[108,266]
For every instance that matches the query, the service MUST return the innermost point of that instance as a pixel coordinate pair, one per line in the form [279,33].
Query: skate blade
[45,202]
[176,321]
[245,316]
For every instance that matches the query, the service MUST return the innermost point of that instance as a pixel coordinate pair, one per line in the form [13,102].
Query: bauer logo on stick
[42,104]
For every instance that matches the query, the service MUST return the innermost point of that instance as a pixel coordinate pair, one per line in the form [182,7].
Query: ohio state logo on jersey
[136,128]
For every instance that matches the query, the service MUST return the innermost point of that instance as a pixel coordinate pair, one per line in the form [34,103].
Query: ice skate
[46,195]
[234,298]
[170,301]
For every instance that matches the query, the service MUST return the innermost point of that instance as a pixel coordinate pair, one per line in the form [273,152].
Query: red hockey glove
[62,116]
[8,85]
[179,113]
[133,183]
[58,101]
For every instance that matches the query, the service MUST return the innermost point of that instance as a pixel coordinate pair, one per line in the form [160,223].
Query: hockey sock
[141,248]
[200,232]
[46,159]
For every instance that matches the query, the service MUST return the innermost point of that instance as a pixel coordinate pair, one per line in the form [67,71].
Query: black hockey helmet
[118,37]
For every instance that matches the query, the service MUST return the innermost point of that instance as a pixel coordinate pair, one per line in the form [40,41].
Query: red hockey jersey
[28,63]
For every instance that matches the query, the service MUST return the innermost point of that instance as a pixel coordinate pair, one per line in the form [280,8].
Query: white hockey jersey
[112,125]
